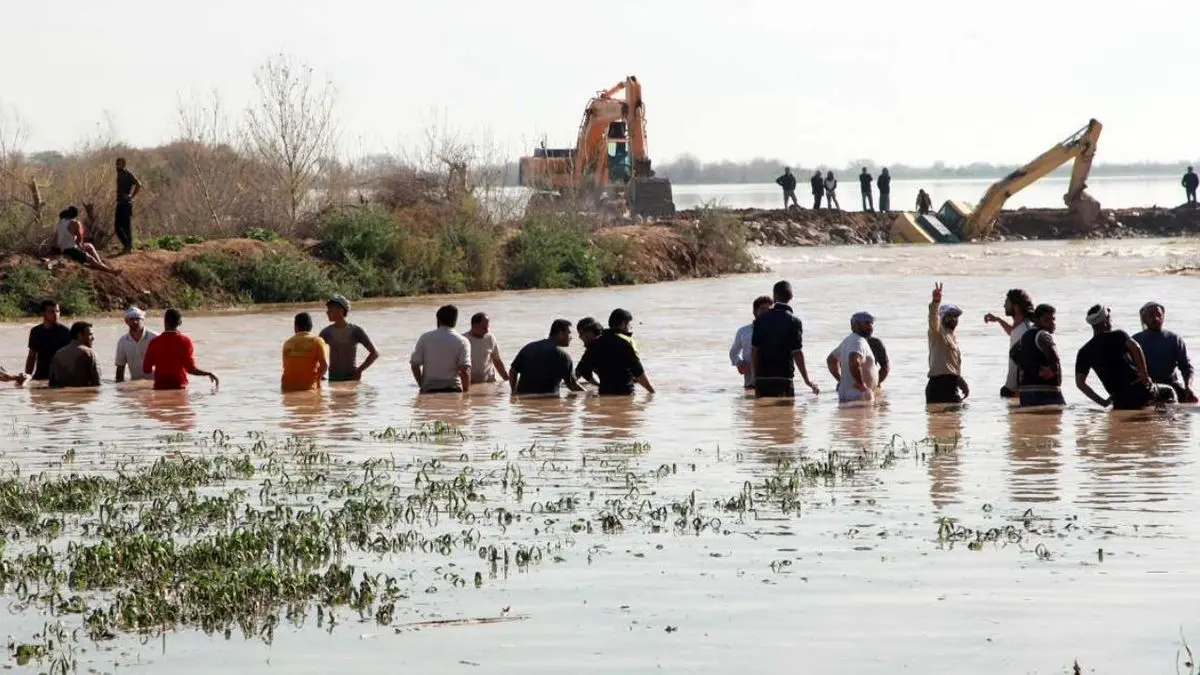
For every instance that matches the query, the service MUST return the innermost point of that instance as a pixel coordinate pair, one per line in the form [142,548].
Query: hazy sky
[812,82]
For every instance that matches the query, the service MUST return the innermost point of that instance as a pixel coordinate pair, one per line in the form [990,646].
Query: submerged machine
[608,168]
[956,221]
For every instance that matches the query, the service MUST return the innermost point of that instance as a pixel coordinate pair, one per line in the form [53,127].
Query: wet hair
[588,325]
[172,318]
[69,213]
[79,328]
[303,321]
[558,326]
[760,301]
[48,304]
[1020,298]
[1043,310]
[618,317]
[782,291]
[447,315]
[478,318]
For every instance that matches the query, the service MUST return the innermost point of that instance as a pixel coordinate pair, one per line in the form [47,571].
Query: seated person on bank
[68,241]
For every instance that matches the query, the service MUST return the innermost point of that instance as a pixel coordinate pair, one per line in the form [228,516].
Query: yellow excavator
[608,168]
[956,221]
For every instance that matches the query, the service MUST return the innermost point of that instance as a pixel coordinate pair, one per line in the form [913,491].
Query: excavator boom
[1080,146]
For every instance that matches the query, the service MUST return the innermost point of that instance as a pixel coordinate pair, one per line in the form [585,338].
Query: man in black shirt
[777,348]
[614,359]
[45,339]
[788,182]
[884,182]
[127,188]
[540,367]
[864,183]
[818,189]
[1120,364]
[881,357]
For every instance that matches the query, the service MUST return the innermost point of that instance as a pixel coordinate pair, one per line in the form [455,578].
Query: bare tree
[291,128]
[213,170]
[20,187]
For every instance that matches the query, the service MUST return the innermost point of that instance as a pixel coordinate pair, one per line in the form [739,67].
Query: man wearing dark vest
[1039,366]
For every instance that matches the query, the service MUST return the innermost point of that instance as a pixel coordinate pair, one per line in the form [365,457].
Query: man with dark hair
[485,353]
[884,183]
[344,339]
[171,356]
[817,183]
[589,329]
[1039,368]
[1019,306]
[45,339]
[305,359]
[945,358]
[788,182]
[75,365]
[441,361]
[1190,182]
[740,352]
[1166,353]
[864,184]
[777,348]
[613,357]
[128,186]
[541,366]
[1120,364]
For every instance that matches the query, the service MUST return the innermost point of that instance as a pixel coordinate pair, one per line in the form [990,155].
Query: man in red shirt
[171,357]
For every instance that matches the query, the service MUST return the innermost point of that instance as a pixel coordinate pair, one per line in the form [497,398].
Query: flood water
[856,582]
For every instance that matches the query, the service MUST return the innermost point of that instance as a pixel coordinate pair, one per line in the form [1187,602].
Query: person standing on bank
[864,183]
[614,359]
[884,183]
[343,339]
[1190,182]
[486,361]
[924,202]
[818,189]
[1019,306]
[131,347]
[45,339]
[128,186]
[740,350]
[1039,365]
[788,182]
[831,199]
[777,348]
[441,361]
[945,359]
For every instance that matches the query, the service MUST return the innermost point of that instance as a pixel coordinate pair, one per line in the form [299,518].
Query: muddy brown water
[857,582]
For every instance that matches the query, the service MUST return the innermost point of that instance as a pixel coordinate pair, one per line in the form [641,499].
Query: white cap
[134,313]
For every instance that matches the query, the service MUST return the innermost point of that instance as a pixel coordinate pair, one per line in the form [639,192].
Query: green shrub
[275,276]
[554,251]
[722,237]
[614,253]
[26,285]
[262,234]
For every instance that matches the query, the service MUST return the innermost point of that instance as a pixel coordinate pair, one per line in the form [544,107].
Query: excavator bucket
[651,197]
[1084,210]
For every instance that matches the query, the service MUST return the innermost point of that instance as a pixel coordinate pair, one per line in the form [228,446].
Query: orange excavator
[608,168]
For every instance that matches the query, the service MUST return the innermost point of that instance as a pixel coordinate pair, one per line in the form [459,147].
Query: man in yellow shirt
[305,357]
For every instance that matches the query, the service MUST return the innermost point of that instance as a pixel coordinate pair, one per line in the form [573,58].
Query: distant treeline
[686,169]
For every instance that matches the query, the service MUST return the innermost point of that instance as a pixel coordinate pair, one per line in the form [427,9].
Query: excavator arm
[1080,146]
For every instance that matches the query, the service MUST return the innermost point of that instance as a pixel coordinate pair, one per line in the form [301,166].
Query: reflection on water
[945,429]
[1034,441]
[1129,458]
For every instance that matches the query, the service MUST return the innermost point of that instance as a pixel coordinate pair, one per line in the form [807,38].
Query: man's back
[614,358]
[543,366]
[1108,355]
[778,334]
[46,341]
[74,366]
[301,362]
[441,353]
[864,181]
[343,344]
[170,357]
[1164,352]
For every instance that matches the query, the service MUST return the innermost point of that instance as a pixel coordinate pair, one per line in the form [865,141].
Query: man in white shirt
[1019,306]
[131,348]
[441,361]
[852,363]
[485,353]
[739,351]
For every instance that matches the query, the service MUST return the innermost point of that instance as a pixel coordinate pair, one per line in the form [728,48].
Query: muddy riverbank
[805,227]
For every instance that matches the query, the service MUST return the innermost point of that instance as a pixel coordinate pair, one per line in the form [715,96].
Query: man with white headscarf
[1166,354]
[945,359]
[1120,364]
[852,363]
[131,347]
